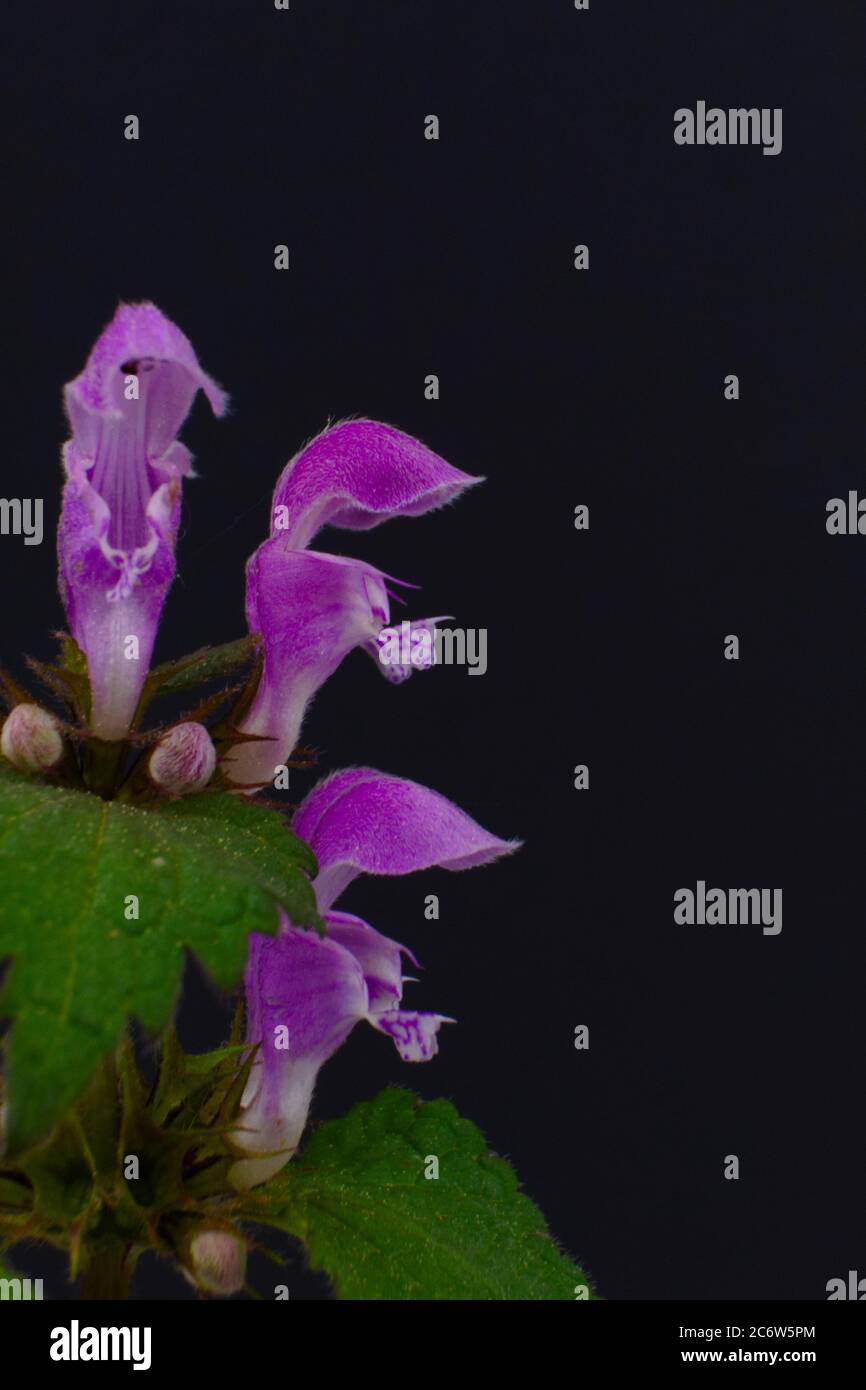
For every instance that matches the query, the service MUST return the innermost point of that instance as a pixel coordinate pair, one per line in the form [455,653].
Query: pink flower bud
[31,739]
[218,1262]
[183,759]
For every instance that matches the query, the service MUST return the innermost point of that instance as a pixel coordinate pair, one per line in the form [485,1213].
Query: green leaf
[69,686]
[205,870]
[208,663]
[188,1082]
[359,1200]
[71,657]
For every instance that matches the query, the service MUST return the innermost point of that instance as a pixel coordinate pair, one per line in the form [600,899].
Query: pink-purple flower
[310,608]
[116,540]
[305,993]
[121,503]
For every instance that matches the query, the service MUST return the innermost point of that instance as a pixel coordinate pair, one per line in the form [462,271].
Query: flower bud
[218,1262]
[31,739]
[183,759]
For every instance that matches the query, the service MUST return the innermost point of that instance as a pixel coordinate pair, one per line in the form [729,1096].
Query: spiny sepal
[135,1165]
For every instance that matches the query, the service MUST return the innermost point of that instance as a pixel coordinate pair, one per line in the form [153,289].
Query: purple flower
[121,502]
[312,609]
[305,993]
[356,475]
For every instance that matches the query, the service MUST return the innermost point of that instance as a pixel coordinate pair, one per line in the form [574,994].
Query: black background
[409,257]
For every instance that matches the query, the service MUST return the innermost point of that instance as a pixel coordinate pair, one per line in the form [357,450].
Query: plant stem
[103,765]
[105,1275]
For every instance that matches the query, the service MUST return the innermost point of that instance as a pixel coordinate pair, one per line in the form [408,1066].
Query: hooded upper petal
[140,341]
[311,611]
[363,821]
[356,475]
[121,502]
[305,994]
